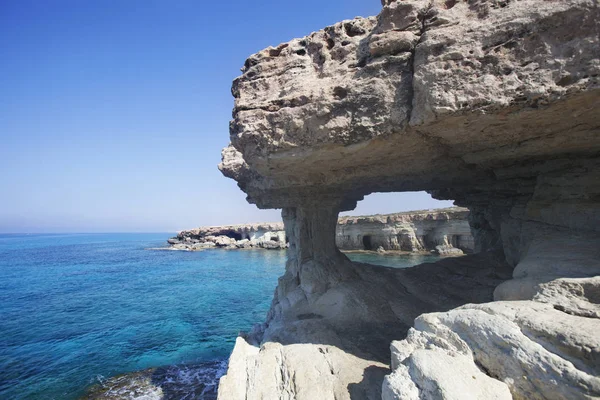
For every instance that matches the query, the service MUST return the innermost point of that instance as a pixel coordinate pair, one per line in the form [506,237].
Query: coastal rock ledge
[444,231]
[491,103]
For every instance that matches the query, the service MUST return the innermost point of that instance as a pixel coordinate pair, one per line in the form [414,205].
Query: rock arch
[505,122]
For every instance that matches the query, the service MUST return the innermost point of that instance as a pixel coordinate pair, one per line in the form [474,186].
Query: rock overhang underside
[430,95]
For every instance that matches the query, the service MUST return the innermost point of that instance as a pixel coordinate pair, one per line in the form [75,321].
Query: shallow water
[76,309]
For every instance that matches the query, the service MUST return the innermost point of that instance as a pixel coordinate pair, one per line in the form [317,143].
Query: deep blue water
[77,308]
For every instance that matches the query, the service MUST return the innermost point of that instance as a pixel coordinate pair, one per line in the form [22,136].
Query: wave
[175,382]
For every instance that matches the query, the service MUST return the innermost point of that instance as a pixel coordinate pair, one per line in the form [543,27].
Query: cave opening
[429,241]
[367,242]
[453,239]
[233,235]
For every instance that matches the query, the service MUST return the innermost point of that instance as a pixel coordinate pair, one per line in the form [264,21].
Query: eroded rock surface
[493,104]
[484,89]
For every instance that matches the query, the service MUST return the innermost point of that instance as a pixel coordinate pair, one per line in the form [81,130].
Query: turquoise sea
[76,309]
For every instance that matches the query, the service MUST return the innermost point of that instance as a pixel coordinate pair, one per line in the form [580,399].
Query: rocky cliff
[438,230]
[244,236]
[491,103]
[444,230]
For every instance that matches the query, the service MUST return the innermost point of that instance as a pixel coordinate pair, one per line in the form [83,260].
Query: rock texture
[535,348]
[491,103]
[481,88]
[329,340]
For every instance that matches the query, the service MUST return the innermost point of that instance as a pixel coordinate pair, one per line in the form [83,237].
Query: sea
[78,310]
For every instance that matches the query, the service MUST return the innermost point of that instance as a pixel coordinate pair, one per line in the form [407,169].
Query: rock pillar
[314,262]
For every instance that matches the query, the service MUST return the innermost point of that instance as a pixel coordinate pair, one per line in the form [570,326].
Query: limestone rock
[448,250]
[353,310]
[223,241]
[539,352]
[546,347]
[493,104]
[271,244]
[243,244]
[230,237]
[441,376]
[429,95]
[305,372]
[408,231]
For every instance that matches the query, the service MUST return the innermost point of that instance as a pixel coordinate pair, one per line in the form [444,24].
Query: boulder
[224,241]
[243,244]
[271,245]
[448,250]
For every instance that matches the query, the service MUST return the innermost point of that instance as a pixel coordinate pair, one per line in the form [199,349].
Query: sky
[113,113]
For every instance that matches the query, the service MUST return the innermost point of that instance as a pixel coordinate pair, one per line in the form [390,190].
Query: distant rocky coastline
[245,236]
[444,231]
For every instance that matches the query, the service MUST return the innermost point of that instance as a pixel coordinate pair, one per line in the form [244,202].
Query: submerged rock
[177,382]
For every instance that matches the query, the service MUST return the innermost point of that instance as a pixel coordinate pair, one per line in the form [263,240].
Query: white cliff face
[267,236]
[410,231]
[491,103]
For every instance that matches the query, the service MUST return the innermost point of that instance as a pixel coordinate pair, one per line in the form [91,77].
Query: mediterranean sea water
[76,309]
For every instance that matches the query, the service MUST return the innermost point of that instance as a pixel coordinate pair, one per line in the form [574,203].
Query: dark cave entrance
[367,242]
[233,235]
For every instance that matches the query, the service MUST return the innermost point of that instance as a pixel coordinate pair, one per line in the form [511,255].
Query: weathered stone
[446,250]
[224,241]
[441,376]
[392,43]
[456,114]
[231,237]
[493,104]
[539,352]
[407,231]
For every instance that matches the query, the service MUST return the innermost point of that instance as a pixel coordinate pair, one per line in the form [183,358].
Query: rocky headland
[491,103]
[245,236]
[444,231]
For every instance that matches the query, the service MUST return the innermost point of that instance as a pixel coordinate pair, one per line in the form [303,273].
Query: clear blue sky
[113,113]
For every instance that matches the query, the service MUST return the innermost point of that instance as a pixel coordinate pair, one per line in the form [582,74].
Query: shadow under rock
[370,386]
[362,316]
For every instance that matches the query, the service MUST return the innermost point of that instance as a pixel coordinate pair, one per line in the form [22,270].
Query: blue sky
[113,113]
